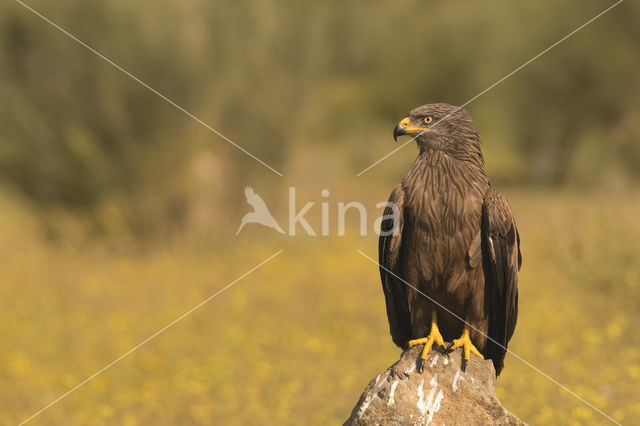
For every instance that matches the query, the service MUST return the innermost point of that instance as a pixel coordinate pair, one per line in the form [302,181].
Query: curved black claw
[420,365]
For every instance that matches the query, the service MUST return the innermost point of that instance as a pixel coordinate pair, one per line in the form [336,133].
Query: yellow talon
[465,342]
[433,337]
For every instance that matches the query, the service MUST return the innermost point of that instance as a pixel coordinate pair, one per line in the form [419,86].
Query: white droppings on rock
[434,361]
[420,403]
[446,361]
[429,407]
[372,394]
[411,369]
[384,378]
[457,377]
[436,405]
[392,401]
[365,404]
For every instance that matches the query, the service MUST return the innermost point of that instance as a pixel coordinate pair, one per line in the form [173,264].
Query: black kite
[454,240]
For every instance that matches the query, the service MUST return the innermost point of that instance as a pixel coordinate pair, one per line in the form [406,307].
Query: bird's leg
[433,337]
[464,342]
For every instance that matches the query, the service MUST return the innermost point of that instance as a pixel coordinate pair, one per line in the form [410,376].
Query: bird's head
[439,126]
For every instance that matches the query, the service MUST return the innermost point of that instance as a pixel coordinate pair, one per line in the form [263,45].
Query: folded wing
[501,259]
[395,291]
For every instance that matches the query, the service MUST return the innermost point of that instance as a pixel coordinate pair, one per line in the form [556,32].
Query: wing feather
[395,291]
[501,262]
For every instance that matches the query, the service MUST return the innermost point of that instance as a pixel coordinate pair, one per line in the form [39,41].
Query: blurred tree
[77,134]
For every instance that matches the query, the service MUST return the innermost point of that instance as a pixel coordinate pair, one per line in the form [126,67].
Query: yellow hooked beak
[403,128]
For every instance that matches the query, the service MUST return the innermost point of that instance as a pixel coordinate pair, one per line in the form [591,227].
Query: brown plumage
[454,240]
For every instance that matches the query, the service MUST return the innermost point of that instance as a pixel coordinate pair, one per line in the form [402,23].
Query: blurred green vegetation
[276,77]
[138,201]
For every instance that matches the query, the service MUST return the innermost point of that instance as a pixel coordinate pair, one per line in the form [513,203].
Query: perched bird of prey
[260,213]
[453,239]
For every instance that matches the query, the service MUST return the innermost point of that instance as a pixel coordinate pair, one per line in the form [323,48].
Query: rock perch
[442,394]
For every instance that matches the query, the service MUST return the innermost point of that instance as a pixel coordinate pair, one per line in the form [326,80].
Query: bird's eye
[427,120]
